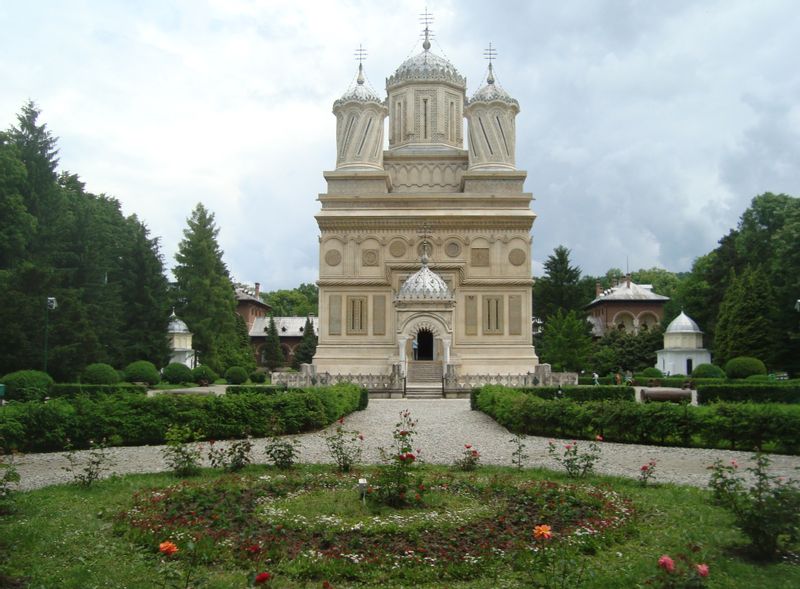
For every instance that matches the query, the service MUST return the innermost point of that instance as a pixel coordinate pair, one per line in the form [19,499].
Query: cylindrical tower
[491,114]
[359,127]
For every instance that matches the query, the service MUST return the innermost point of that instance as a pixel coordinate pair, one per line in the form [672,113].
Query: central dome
[424,284]
[426,67]
[683,324]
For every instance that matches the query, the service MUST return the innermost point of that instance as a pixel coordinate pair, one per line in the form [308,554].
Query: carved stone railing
[542,376]
[374,383]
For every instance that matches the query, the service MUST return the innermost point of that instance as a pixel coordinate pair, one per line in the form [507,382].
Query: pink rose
[702,570]
[666,563]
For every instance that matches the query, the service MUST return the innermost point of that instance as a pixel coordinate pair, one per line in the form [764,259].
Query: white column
[446,346]
[401,343]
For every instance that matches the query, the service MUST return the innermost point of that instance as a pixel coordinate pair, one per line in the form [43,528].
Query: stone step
[423,391]
[422,371]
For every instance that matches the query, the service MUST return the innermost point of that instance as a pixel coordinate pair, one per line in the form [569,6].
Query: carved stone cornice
[498,282]
[327,282]
[522,222]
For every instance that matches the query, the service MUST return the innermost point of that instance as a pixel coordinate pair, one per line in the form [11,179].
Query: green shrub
[74,389]
[708,371]
[267,389]
[752,392]
[759,378]
[203,375]
[581,393]
[722,425]
[258,377]
[652,372]
[27,385]
[100,373]
[133,419]
[236,375]
[744,366]
[142,371]
[177,373]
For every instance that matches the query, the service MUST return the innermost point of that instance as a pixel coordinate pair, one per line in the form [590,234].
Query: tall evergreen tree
[560,287]
[566,341]
[305,350]
[746,323]
[205,294]
[273,354]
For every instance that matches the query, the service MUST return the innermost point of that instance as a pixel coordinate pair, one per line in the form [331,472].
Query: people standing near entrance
[415,347]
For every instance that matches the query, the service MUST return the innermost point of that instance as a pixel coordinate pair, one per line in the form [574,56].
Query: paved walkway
[444,426]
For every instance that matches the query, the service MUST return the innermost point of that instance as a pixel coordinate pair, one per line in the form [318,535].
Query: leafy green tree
[204,292]
[566,341]
[627,351]
[746,323]
[298,302]
[273,353]
[559,288]
[17,225]
[665,283]
[305,350]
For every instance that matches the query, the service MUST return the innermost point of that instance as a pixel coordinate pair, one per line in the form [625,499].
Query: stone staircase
[424,380]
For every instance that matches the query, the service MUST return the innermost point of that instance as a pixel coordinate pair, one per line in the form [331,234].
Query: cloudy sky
[646,127]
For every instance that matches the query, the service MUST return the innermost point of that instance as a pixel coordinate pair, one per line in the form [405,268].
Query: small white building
[683,347]
[180,342]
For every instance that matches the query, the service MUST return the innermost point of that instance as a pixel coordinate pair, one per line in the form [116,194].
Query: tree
[665,283]
[297,302]
[305,350]
[627,351]
[204,292]
[559,288]
[273,354]
[566,341]
[746,324]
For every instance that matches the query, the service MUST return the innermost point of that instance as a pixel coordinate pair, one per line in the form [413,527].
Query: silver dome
[359,92]
[683,324]
[176,325]
[424,284]
[426,67]
[491,91]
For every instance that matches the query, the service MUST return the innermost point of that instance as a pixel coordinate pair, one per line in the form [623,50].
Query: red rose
[262,578]
[167,548]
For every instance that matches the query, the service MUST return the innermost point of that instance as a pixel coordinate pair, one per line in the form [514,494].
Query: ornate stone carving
[435,176]
[333,257]
[369,257]
[453,249]
[397,249]
[517,257]
[480,256]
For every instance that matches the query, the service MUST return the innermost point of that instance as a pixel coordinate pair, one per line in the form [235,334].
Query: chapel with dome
[425,246]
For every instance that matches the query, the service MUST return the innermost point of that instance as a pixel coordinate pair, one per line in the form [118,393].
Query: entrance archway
[424,344]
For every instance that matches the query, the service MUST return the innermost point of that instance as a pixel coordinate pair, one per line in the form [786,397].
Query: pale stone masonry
[425,242]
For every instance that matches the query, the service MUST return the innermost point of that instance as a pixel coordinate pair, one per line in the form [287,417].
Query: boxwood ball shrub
[177,373]
[236,375]
[100,373]
[708,371]
[652,372]
[203,375]
[27,385]
[744,366]
[142,371]
[258,377]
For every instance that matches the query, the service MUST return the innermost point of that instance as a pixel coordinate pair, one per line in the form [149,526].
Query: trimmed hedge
[258,377]
[236,375]
[132,420]
[265,389]
[142,371]
[27,385]
[100,373]
[744,366]
[581,394]
[74,389]
[768,427]
[586,380]
[754,392]
[177,373]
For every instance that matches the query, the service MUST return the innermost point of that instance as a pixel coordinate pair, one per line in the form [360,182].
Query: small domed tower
[491,114]
[359,125]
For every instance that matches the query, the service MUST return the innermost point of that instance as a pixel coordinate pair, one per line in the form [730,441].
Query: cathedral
[425,247]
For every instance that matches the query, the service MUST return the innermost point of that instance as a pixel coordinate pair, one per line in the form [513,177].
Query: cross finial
[426,18]
[361,55]
[490,54]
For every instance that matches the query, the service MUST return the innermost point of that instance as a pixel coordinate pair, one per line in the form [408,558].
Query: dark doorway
[425,345]
[688,366]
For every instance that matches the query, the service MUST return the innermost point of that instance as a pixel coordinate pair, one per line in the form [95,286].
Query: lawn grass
[64,536]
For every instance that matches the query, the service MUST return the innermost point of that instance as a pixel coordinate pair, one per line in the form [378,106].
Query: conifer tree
[205,294]
[273,354]
[560,288]
[566,341]
[305,350]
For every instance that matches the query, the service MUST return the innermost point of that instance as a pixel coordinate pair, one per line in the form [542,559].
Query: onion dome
[683,324]
[426,67]
[491,91]
[176,325]
[358,92]
[424,284]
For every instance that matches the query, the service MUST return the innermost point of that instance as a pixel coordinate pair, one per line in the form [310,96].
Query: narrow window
[425,118]
[364,138]
[356,315]
[453,122]
[502,134]
[485,136]
[350,124]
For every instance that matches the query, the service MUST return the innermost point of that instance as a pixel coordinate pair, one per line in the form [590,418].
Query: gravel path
[444,426]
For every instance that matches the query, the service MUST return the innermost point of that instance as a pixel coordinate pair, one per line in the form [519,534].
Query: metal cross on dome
[361,54]
[490,53]
[426,18]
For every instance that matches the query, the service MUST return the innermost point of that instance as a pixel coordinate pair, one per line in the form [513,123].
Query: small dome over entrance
[424,284]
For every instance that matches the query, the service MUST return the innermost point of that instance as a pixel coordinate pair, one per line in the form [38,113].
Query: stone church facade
[425,247]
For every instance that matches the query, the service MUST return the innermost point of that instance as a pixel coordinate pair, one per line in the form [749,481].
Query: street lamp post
[51,304]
